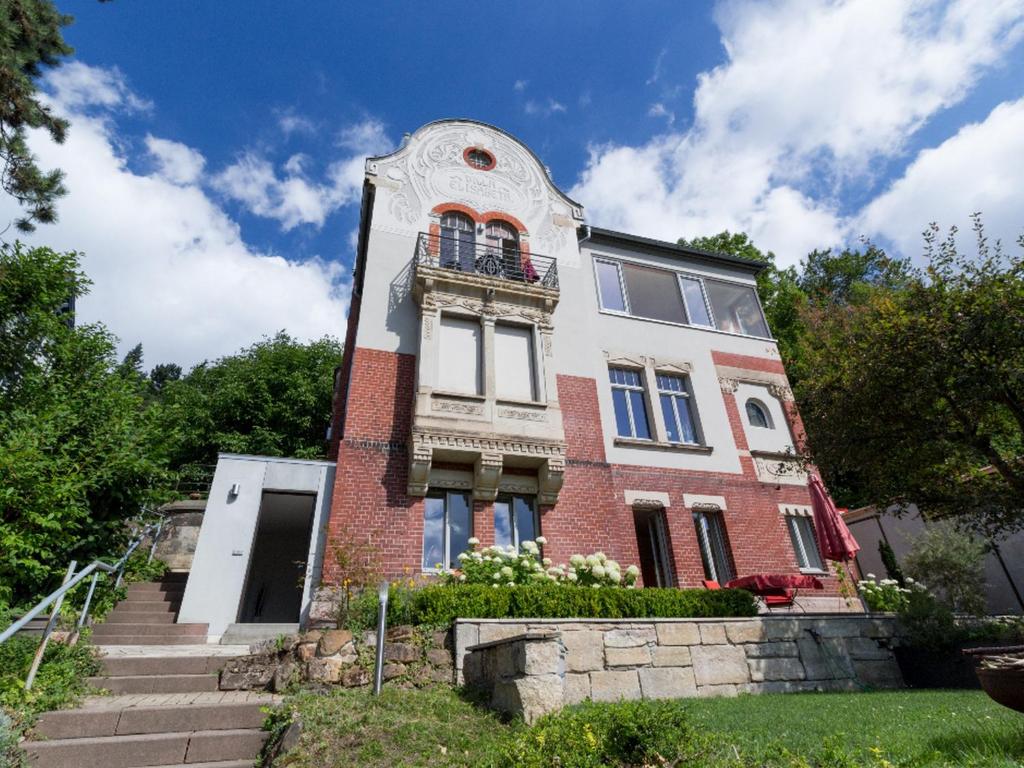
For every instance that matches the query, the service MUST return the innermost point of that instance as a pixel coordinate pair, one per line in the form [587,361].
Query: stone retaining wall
[607,660]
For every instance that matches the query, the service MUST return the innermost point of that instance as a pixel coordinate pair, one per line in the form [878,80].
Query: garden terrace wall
[532,667]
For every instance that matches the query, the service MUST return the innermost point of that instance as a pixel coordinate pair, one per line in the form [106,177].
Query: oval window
[478,158]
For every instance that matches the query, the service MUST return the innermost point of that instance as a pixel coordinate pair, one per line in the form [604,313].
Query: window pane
[653,293]
[502,524]
[736,309]
[433,532]
[609,287]
[696,308]
[636,400]
[700,523]
[459,525]
[689,432]
[459,356]
[719,550]
[621,414]
[670,418]
[525,522]
[806,527]
[756,415]
[513,362]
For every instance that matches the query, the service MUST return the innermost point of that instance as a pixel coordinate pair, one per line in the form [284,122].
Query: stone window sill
[520,403]
[632,442]
[458,395]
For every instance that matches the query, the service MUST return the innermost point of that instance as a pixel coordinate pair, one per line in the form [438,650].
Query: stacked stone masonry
[530,668]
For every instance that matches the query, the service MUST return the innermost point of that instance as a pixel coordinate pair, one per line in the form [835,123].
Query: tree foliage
[271,399]
[76,446]
[30,41]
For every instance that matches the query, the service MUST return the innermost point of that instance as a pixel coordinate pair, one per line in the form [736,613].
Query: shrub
[891,564]
[504,566]
[61,677]
[887,595]
[597,735]
[440,605]
[951,563]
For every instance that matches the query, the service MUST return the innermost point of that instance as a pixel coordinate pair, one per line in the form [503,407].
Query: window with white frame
[805,542]
[630,403]
[515,520]
[514,366]
[714,549]
[676,297]
[459,355]
[677,409]
[447,526]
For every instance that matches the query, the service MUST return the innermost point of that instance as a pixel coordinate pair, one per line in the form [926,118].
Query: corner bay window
[675,408]
[662,294]
[630,407]
[515,520]
[714,552]
[805,543]
[447,526]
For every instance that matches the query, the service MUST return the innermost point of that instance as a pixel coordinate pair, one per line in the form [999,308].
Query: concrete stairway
[166,710]
[147,616]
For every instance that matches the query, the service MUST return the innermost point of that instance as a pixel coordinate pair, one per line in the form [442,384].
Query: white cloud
[975,170]
[75,86]
[291,123]
[169,267]
[367,137]
[519,85]
[811,92]
[660,110]
[543,108]
[176,162]
[656,74]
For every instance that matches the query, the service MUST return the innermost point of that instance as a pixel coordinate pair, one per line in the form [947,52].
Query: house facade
[511,371]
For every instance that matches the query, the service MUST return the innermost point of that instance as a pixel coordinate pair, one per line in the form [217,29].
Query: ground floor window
[447,526]
[805,543]
[515,520]
[653,544]
[714,551]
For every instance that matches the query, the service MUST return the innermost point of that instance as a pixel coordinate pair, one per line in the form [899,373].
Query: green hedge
[441,605]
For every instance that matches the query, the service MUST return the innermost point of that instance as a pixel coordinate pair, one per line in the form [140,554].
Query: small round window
[757,414]
[478,158]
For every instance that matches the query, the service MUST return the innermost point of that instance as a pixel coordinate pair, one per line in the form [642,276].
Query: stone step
[139,628]
[150,587]
[146,606]
[117,616]
[156,683]
[94,722]
[133,639]
[217,764]
[128,666]
[151,749]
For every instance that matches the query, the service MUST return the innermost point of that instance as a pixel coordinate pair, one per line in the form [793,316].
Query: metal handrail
[71,580]
[502,261]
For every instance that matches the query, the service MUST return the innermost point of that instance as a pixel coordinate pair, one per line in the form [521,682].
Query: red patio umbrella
[834,538]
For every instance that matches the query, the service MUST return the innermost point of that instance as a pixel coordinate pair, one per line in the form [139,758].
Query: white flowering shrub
[886,595]
[504,567]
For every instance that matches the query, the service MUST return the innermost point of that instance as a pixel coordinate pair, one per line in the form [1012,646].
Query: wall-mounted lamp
[236,488]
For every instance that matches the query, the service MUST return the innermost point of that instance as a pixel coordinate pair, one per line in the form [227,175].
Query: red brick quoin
[370,503]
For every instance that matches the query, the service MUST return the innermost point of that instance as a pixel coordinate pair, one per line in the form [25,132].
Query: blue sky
[216,148]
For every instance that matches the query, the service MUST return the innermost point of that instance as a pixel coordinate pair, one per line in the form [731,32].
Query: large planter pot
[943,668]
[1005,686]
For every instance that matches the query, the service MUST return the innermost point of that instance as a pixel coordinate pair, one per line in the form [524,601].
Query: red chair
[711,584]
[784,598]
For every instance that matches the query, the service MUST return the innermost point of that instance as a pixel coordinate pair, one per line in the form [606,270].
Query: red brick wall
[370,501]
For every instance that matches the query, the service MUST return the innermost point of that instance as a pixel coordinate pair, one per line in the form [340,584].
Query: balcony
[485,260]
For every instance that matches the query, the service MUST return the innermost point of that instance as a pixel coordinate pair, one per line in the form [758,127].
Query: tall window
[609,285]
[628,399]
[514,377]
[652,540]
[457,242]
[714,552]
[459,355]
[503,240]
[676,408]
[805,543]
[447,526]
[757,414]
[515,520]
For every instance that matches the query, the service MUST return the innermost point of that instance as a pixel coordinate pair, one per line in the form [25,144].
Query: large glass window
[447,526]
[609,284]
[674,395]
[736,308]
[714,552]
[459,355]
[628,399]
[514,377]
[653,293]
[805,543]
[515,520]
[696,301]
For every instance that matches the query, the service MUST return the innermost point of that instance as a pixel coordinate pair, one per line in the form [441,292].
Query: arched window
[458,241]
[757,414]
[502,239]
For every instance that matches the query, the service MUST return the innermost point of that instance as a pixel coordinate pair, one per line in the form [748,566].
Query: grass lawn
[439,729]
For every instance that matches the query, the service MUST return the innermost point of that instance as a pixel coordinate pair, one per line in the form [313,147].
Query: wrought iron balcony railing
[504,261]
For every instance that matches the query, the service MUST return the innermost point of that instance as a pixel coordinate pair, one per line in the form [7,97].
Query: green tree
[76,445]
[918,392]
[30,41]
[272,399]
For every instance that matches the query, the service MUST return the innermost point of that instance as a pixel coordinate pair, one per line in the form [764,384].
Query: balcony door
[653,545]
[502,240]
[458,242]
